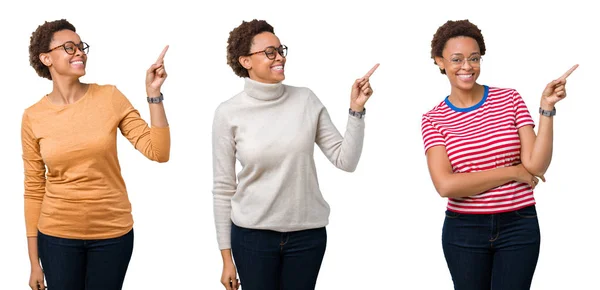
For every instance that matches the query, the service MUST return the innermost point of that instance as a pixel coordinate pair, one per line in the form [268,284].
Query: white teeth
[279,67]
[77,62]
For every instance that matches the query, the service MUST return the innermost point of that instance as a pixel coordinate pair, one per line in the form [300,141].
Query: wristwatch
[155,100]
[357,114]
[548,113]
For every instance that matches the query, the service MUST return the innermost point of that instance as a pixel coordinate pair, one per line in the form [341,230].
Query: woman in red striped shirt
[484,156]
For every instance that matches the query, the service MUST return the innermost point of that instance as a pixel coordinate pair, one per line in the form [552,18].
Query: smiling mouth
[465,76]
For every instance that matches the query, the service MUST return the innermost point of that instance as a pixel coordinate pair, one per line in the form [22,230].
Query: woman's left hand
[555,91]
[361,91]
[156,75]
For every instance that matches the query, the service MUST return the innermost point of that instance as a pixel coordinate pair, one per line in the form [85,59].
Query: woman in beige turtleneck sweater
[272,218]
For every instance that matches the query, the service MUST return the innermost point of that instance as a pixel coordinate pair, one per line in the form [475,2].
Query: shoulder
[102,88]
[294,90]
[106,92]
[497,92]
[36,107]
[304,93]
[438,110]
[230,105]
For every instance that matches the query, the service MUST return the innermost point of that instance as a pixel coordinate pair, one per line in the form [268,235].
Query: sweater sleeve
[154,143]
[224,179]
[35,176]
[343,152]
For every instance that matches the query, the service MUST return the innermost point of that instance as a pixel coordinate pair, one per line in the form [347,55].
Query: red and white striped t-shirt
[482,137]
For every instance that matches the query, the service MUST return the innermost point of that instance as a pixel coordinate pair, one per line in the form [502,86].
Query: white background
[386,218]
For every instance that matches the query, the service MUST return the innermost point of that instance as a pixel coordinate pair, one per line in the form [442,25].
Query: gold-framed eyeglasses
[271,50]
[70,47]
[458,61]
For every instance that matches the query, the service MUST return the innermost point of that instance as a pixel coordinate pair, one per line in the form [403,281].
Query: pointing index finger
[368,75]
[162,55]
[568,73]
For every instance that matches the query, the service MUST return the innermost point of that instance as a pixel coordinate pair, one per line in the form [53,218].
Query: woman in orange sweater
[77,212]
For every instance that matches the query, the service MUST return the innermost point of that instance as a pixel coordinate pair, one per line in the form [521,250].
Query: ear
[246,62]
[45,59]
[440,62]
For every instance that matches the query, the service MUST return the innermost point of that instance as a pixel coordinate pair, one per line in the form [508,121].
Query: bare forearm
[227,258]
[469,184]
[32,248]
[158,117]
[541,155]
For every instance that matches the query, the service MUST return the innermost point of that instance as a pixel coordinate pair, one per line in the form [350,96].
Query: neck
[66,91]
[466,98]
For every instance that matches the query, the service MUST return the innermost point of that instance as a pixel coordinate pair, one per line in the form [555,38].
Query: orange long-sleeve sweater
[73,183]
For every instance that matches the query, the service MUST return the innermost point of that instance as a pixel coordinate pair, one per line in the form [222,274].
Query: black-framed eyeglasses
[70,47]
[271,50]
[458,61]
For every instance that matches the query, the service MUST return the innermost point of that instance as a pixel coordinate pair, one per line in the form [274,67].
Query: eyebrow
[64,42]
[460,54]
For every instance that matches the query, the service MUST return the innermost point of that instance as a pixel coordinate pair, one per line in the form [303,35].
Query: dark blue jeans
[71,264]
[269,260]
[492,251]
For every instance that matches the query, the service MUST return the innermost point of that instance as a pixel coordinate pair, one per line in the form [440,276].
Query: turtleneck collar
[263,91]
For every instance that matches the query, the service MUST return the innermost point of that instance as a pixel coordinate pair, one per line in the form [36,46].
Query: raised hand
[156,75]
[555,90]
[361,91]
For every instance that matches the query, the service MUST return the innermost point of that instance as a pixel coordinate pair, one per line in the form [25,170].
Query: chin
[278,78]
[466,87]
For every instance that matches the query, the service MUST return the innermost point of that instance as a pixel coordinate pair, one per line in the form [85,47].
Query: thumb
[542,178]
[154,67]
[554,83]
[356,85]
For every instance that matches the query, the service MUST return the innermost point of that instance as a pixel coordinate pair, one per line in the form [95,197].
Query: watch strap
[360,115]
[155,100]
[548,113]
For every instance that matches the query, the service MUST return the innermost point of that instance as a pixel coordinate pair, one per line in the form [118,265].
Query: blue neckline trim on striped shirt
[469,109]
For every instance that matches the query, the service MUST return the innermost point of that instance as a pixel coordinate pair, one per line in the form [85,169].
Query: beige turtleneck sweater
[271,129]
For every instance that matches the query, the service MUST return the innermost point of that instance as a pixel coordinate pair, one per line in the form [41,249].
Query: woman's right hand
[36,278]
[523,176]
[229,277]
[361,91]
[156,75]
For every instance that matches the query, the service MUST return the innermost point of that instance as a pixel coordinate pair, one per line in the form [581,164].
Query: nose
[278,56]
[468,65]
[79,50]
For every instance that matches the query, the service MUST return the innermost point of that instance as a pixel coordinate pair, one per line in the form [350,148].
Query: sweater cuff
[224,238]
[356,121]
